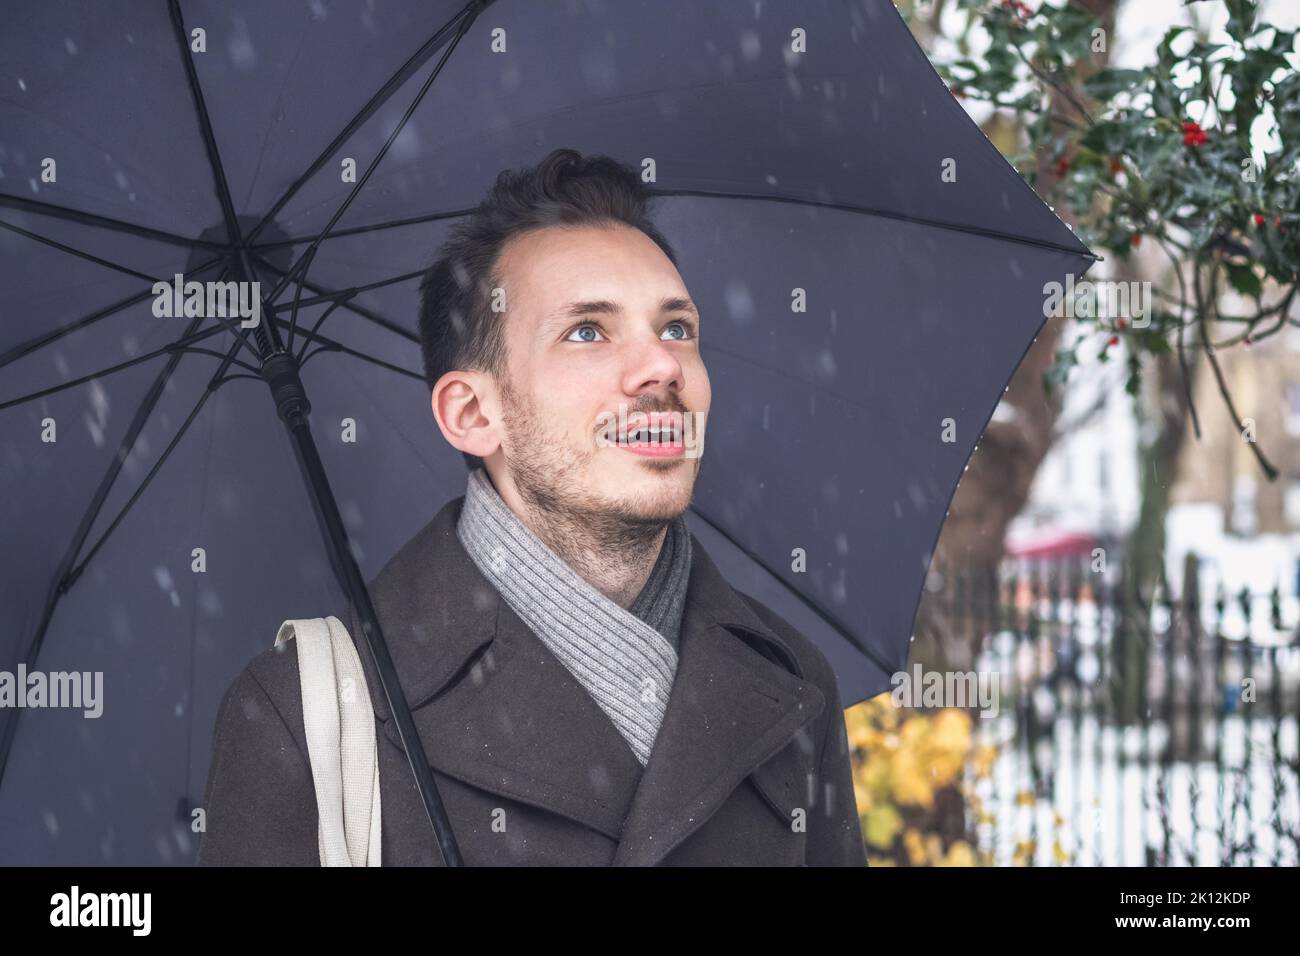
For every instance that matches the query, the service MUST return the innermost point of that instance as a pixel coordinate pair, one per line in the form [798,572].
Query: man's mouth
[661,440]
[666,433]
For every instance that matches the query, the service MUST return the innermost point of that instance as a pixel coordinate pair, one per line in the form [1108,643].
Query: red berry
[1259,219]
[1193,135]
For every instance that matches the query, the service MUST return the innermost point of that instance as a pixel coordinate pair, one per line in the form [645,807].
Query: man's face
[601,336]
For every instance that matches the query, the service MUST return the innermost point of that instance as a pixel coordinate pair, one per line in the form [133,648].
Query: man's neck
[613,556]
[614,562]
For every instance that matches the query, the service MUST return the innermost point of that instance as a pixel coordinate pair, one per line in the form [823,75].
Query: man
[587,687]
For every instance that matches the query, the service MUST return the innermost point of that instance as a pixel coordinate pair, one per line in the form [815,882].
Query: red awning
[1050,543]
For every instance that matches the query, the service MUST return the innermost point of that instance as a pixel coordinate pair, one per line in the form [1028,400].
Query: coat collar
[496,709]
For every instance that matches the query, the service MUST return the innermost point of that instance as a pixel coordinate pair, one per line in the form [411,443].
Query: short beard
[568,520]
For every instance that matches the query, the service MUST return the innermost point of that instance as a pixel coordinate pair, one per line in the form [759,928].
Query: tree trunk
[1146,544]
[996,483]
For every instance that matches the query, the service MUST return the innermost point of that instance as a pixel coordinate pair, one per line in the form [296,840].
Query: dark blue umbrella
[870,270]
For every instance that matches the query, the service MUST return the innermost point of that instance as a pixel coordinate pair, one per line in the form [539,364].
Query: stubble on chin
[552,481]
[674,488]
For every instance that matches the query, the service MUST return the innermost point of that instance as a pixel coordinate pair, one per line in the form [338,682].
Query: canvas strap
[340,725]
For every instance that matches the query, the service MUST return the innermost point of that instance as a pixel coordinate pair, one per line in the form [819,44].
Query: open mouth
[654,435]
[670,435]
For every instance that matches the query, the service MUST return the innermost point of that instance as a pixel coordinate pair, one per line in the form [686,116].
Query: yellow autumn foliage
[926,754]
[901,761]
[959,854]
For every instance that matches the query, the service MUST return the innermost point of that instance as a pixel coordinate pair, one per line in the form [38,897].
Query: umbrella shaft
[281,373]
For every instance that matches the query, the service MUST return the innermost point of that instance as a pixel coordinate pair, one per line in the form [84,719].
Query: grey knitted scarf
[625,658]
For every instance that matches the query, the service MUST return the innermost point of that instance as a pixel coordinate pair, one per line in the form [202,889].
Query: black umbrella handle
[281,372]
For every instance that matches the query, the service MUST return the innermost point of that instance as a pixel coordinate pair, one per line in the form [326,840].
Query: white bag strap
[340,726]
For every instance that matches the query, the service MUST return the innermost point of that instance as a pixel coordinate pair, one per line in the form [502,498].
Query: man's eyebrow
[677,304]
[580,310]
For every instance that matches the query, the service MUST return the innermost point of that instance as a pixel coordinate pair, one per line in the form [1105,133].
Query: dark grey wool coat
[751,765]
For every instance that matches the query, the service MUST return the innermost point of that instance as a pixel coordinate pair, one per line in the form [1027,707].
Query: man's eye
[677,330]
[584,333]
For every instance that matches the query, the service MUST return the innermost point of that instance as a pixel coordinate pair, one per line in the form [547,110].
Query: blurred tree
[1194,154]
[996,485]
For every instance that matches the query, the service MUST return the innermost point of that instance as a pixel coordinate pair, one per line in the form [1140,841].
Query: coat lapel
[730,710]
[521,726]
[495,709]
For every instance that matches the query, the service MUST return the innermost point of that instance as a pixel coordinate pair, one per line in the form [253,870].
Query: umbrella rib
[383,151]
[79,253]
[825,615]
[191,350]
[234,239]
[180,345]
[297,301]
[103,222]
[337,346]
[316,328]
[304,359]
[886,214]
[255,378]
[322,294]
[224,320]
[356,289]
[46,338]
[712,194]
[59,585]
[359,230]
[219,378]
[381,96]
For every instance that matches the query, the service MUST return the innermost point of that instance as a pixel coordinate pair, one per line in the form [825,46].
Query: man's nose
[653,366]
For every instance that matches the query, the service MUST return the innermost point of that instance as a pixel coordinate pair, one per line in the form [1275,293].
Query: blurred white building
[1087,483]
[1243,527]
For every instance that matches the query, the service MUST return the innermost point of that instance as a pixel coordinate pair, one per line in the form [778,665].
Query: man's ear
[465,409]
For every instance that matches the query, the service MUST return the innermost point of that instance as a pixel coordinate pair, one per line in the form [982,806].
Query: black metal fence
[1130,730]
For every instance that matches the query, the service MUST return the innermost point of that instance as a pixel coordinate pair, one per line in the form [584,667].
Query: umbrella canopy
[869,269]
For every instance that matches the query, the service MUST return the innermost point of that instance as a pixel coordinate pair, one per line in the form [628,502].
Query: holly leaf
[1243,279]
